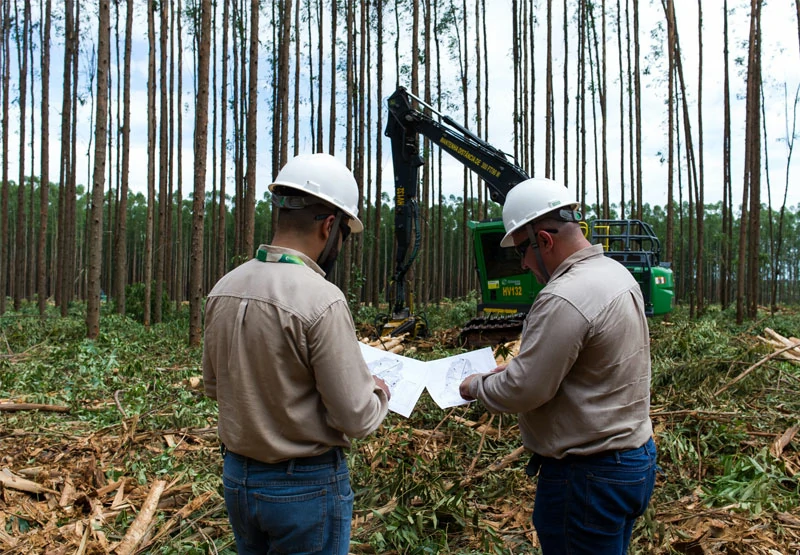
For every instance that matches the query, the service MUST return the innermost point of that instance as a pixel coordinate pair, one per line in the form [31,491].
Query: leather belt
[328,457]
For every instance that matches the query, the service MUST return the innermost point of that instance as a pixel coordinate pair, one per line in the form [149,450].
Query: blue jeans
[290,507]
[589,504]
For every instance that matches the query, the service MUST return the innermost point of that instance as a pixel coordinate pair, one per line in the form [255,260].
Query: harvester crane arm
[404,125]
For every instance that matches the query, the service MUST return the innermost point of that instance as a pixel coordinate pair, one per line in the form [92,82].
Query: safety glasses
[343,227]
[522,248]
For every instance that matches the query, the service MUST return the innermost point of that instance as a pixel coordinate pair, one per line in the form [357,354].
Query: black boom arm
[403,127]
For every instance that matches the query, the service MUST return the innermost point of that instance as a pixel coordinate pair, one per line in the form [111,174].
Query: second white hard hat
[326,178]
[531,199]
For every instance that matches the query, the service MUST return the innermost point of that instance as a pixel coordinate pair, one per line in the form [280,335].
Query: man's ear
[544,239]
[326,227]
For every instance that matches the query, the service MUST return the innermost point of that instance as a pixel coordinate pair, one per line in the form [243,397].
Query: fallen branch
[10,480]
[13,407]
[780,444]
[187,510]
[498,465]
[480,446]
[756,365]
[139,527]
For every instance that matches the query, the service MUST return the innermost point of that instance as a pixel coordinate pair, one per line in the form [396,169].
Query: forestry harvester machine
[507,291]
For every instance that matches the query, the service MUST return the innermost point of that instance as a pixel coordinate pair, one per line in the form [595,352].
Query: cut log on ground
[12,407]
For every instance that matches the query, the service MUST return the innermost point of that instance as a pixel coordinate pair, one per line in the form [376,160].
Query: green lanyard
[265,256]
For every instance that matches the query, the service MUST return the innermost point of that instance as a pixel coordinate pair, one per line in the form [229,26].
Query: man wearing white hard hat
[282,359]
[581,381]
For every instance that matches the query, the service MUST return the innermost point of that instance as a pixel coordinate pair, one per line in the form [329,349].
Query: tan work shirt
[282,359]
[581,381]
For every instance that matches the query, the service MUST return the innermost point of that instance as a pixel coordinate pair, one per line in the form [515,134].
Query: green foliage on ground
[409,476]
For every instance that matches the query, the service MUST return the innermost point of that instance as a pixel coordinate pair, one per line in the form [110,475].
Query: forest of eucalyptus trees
[136,135]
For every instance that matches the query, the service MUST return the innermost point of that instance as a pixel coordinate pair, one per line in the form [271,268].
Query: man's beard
[329,263]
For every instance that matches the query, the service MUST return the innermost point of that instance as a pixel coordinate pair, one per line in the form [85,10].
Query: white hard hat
[326,178]
[531,199]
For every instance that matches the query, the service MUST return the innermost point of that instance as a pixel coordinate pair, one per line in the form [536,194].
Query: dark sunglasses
[343,227]
[522,248]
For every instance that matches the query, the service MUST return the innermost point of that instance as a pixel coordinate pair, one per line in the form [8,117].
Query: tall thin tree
[95,247]
[120,236]
[44,182]
[19,250]
[200,155]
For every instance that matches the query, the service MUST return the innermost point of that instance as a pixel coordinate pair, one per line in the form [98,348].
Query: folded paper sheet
[406,377]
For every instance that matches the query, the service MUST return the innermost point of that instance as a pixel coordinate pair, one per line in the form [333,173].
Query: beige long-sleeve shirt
[581,381]
[282,359]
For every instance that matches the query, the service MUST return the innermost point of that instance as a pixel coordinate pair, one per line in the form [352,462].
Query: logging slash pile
[110,447]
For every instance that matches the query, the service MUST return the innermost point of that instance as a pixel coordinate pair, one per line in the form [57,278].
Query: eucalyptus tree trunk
[416,274]
[71,197]
[44,183]
[252,135]
[376,263]
[439,219]
[700,180]
[602,79]
[170,255]
[19,251]
[367,242]
[565,130]
[120,237]
[163,173]
[753,158]
[465,247]
[631,120]
[296,118]
[95,246]
[360,155]
[746,299]
[478,108]
[580,109]
[236,101]
[180,278]
[282,108]
[63,281]
[727,198]
[210,238]
[671,138]
[429,260]
[549,116]
[351,90]
[200,152]
[4,238]
[637,86]
[332,122]
[321,66]
[220,239]
[30,250]
[151,161]
[621,77]
[693,188]
[518,71]
[778,261]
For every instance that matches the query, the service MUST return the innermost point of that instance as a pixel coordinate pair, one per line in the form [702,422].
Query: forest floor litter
[135,485]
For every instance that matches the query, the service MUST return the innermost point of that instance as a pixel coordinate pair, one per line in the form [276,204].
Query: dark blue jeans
[289,507]
[589,504]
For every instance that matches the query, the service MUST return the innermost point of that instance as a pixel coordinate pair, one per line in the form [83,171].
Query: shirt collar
[284,250]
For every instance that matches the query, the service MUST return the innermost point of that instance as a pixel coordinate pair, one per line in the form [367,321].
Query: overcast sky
[781,57]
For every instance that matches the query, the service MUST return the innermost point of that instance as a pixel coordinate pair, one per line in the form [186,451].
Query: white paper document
[404,376]
[446,374]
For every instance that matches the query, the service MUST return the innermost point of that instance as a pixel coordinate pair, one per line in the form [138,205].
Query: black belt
[532,469]
[328,457]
